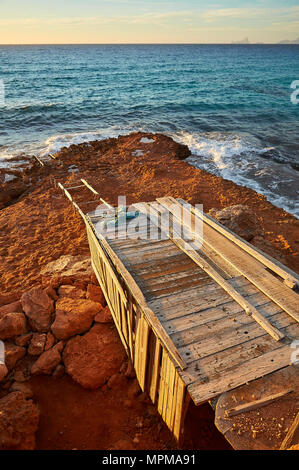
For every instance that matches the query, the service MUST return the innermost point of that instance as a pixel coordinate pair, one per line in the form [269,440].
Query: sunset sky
[147,21]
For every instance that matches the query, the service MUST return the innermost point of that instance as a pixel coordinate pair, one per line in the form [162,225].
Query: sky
[147,21]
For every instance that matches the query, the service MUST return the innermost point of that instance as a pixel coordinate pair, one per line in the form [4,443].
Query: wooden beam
[89,187]
[39,161]
[194,255]
[292,436]
[256,404]
[290,278]
[249,267]
[65,192]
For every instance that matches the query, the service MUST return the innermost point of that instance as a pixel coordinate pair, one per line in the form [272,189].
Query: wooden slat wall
[155,371]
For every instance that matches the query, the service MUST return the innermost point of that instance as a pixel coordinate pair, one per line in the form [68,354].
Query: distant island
[285,41]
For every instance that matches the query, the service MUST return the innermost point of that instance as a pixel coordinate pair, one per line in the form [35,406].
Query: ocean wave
[56,142]
[241,158]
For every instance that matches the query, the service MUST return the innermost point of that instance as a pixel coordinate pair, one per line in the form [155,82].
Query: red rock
[104,316]
[93,358]
[68,269]
[73,316]
[6,299]
[19,420]
[81,285]
[71,292]
[22,370]
[240,219]
[50,341]
[13,354]
[48,361]
[117,381]
[37,344]
[39,308]
[11,325]
[23,340]
[51,292]
[93,279]
[134,389]
[95,293]
[11,308]
[59,371]
[3,371]
[22,387]
[19,376]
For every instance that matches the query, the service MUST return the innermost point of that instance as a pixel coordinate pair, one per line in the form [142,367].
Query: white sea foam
[237,157]
[57,142]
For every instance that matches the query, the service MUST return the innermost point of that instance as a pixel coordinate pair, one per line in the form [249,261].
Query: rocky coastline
[61,348]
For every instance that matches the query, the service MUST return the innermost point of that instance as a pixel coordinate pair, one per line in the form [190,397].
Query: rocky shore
[66,382]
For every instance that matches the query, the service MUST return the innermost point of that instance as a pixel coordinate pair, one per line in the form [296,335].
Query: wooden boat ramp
[198,310]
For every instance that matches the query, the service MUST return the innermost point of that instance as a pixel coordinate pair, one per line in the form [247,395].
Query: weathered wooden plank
[256,404]
[253,270]
[98,249]
[250,309]
[292,436]
[212,367]
[233,309]
[188,301]
[254,369]
[208,345]
[156,371]
[137,294]
[229,320]
[163,280]
[287,274]
[178,420]
[143,352]
[162,382]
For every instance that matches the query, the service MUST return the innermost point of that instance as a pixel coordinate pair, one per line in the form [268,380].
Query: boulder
[13,354]
[19,420]
[38,307]
[71,292]
[73,316]
[50,341]
[11,308]
[67,268]
[95,293]
[48,361]
[23,340]
[239,219]
[93,358]
[10,298]
[3,371]
[59,371]
[51,292]
[22,387]
[11,325]
[104,316]
[37,344]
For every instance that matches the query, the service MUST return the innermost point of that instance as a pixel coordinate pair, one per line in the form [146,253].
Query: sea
[235,106]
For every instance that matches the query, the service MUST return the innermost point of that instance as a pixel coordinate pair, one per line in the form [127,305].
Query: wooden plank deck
[181,325]
[222,346]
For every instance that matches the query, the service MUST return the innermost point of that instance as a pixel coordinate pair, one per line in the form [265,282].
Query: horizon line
[148,44]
